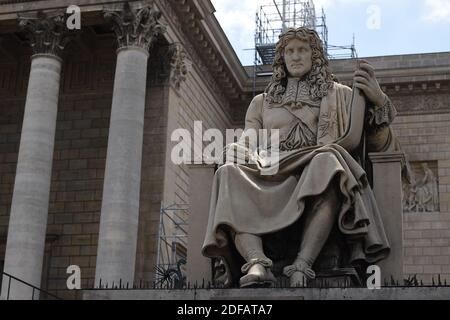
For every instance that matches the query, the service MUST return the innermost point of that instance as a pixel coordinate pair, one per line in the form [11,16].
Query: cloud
[437,11]
[237,19]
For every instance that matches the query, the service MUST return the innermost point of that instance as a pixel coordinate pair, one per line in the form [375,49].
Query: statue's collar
[297,94]
[296,88]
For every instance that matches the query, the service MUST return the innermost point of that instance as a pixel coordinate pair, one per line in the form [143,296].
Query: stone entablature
[194,19]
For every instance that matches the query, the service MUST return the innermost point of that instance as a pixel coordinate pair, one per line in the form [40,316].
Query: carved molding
[184,28]
[179,65]
[47,32]
[139,27]
[425,103]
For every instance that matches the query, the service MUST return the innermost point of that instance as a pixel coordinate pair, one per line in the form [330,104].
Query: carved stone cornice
[178,65]
[47,32]
[139,28]
[193,25]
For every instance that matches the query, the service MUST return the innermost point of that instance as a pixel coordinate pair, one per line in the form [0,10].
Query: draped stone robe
[246,200]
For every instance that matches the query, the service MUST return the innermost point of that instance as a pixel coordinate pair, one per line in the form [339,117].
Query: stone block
[82,124]
[80,261]
[432,269]
[81,239]
[63,218]
[432,251]
[414,251]
[78,164]
[90,228]
[422,260]
[72,229]
[70,251]
[88,251]
[409,234]
[441,260]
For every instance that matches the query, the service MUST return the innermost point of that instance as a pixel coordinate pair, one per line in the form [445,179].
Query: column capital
[135,27]
[179,64]
[47,32]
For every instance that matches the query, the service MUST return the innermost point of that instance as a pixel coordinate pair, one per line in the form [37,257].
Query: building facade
[86,118]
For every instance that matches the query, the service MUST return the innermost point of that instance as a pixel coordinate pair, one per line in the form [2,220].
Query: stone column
[30,201]
[387,186]
[136,30]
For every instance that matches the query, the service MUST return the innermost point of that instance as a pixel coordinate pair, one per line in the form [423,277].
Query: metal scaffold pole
[272,19]
[172,239]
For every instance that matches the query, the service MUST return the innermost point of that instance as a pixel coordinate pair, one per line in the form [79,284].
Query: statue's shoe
[262,278]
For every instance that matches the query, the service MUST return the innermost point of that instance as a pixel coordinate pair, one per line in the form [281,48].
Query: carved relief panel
[421,188]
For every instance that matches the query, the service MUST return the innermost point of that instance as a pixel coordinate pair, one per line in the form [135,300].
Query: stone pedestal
[387,186]
[29,209]
[263,296]
[198,266]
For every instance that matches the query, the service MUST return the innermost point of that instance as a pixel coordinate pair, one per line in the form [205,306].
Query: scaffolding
[272,19]
[172,238]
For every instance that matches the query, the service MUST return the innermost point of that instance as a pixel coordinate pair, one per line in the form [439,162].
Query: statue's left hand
[365,80]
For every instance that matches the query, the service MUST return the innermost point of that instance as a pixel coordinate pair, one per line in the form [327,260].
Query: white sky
[403,27]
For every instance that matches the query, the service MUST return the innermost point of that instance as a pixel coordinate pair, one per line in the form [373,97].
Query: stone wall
[152,180]
[194,101]
[426,138]
[77,184]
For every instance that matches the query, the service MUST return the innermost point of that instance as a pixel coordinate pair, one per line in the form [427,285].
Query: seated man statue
[256,220]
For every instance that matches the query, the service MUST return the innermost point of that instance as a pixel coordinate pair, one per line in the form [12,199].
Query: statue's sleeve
[253,118]
[380,136]
[248,142]
[253,122]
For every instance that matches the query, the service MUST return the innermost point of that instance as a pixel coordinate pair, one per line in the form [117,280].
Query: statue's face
[297,57]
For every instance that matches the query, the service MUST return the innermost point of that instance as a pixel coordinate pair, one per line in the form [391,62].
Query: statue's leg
[258,266]
[319,221]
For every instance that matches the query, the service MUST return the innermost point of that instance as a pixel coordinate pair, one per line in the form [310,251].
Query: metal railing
[42,294]
[16,1]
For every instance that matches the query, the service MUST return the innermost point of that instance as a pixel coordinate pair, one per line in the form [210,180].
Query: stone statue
[267,227]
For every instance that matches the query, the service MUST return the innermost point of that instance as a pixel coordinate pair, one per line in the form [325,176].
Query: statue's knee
[329,198]
[334,193]
[226,168]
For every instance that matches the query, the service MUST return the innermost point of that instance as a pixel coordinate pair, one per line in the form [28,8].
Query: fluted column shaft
[116,256]
[29,209]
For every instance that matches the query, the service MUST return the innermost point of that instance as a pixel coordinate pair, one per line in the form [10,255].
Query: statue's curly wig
[320,77]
